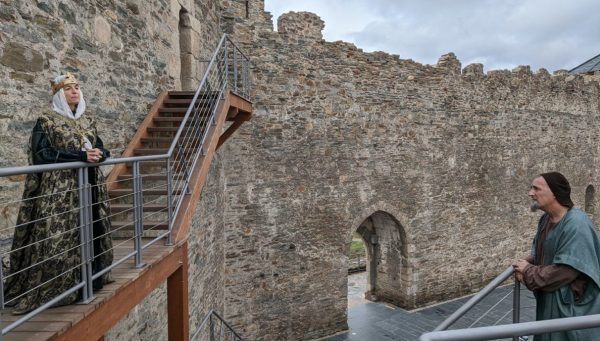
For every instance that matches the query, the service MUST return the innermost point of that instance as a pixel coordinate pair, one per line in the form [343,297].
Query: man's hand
[519,277]
[520,265]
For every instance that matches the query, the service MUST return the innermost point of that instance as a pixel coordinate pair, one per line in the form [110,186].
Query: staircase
[154,137]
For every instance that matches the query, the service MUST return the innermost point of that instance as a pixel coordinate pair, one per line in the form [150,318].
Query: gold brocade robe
[45,256]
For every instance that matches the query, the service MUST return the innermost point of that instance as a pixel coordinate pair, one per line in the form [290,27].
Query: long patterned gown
[45,256]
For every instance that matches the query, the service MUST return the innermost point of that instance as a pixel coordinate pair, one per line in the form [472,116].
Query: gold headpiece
[69,79]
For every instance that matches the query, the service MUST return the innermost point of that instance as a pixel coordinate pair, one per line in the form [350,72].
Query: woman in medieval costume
[45,256]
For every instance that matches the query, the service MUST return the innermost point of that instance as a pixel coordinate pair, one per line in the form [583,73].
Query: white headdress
[59,101]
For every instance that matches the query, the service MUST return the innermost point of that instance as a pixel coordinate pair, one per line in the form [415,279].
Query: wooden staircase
[163,263]
[154,136]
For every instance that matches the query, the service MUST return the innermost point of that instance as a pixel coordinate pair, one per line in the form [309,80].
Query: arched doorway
[590,194]
[386,265]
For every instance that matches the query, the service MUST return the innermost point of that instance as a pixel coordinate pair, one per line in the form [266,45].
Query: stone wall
[338,137]
[124,53]
[339,134]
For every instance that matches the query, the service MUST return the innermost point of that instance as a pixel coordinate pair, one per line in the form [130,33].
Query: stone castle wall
[339,134]
[124,53]
[339,137]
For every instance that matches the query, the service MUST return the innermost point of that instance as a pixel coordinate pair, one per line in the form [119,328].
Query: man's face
[541,194]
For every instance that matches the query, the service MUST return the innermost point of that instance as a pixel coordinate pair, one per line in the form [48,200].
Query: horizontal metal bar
[41,308]
[113,265]
[8,171]
[237,48]
[226,324]
[161,236]
[516,329]
[475,299]
[199,328]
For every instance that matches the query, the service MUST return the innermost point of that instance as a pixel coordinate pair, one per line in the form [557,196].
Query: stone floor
[380,321]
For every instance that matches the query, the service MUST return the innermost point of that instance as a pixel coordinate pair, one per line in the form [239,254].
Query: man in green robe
[563,270]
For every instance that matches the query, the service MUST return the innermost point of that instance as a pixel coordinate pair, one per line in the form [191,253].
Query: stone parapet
[301,25]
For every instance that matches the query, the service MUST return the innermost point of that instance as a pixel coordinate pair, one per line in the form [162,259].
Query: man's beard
[535,206]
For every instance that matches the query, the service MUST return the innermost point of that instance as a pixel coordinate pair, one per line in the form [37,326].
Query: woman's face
[72,94]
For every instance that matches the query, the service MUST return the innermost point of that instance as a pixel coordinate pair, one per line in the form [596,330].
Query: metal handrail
[182,156]
[514,330]
[223,324]
[475,299]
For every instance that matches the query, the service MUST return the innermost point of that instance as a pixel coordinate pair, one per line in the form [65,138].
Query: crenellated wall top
[301,25]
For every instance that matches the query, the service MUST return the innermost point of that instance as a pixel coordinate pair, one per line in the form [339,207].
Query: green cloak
[574,242]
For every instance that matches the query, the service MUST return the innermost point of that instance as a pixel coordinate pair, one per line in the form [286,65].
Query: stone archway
[590,194]
[387,263]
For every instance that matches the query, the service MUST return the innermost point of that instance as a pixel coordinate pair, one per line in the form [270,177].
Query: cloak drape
[45,256]
[573,242]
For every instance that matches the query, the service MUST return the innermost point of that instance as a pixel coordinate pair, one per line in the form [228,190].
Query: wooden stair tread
[115,208]
[147,225]
[156,139]
[129,176]
[175,109]
[192,93]
[163,129]
[157,163]
[160,150]
[185,101]
[150,151]
[168,119]
[113,193]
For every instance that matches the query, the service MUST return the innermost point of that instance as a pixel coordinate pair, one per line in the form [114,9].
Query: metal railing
[514,330]
[214,327]
[228,69]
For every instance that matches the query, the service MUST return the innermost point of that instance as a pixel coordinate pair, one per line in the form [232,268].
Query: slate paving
[374,321]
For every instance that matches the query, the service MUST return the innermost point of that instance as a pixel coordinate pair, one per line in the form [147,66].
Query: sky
[500,34]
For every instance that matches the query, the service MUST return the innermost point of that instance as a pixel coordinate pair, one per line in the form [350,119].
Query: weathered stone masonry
[434,160]
[125,53]
[340,135]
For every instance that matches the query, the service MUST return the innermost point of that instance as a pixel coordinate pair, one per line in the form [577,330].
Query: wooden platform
[54,322]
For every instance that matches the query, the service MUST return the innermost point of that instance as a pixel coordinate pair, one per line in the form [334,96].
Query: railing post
[211,327]
[221,331]
[170,201]
[226,61]
[235,69]
[1,288]
[516,304]
[137,214]
[247,75]
[85,218]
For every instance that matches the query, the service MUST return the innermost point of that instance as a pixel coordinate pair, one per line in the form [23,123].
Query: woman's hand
[94,155]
